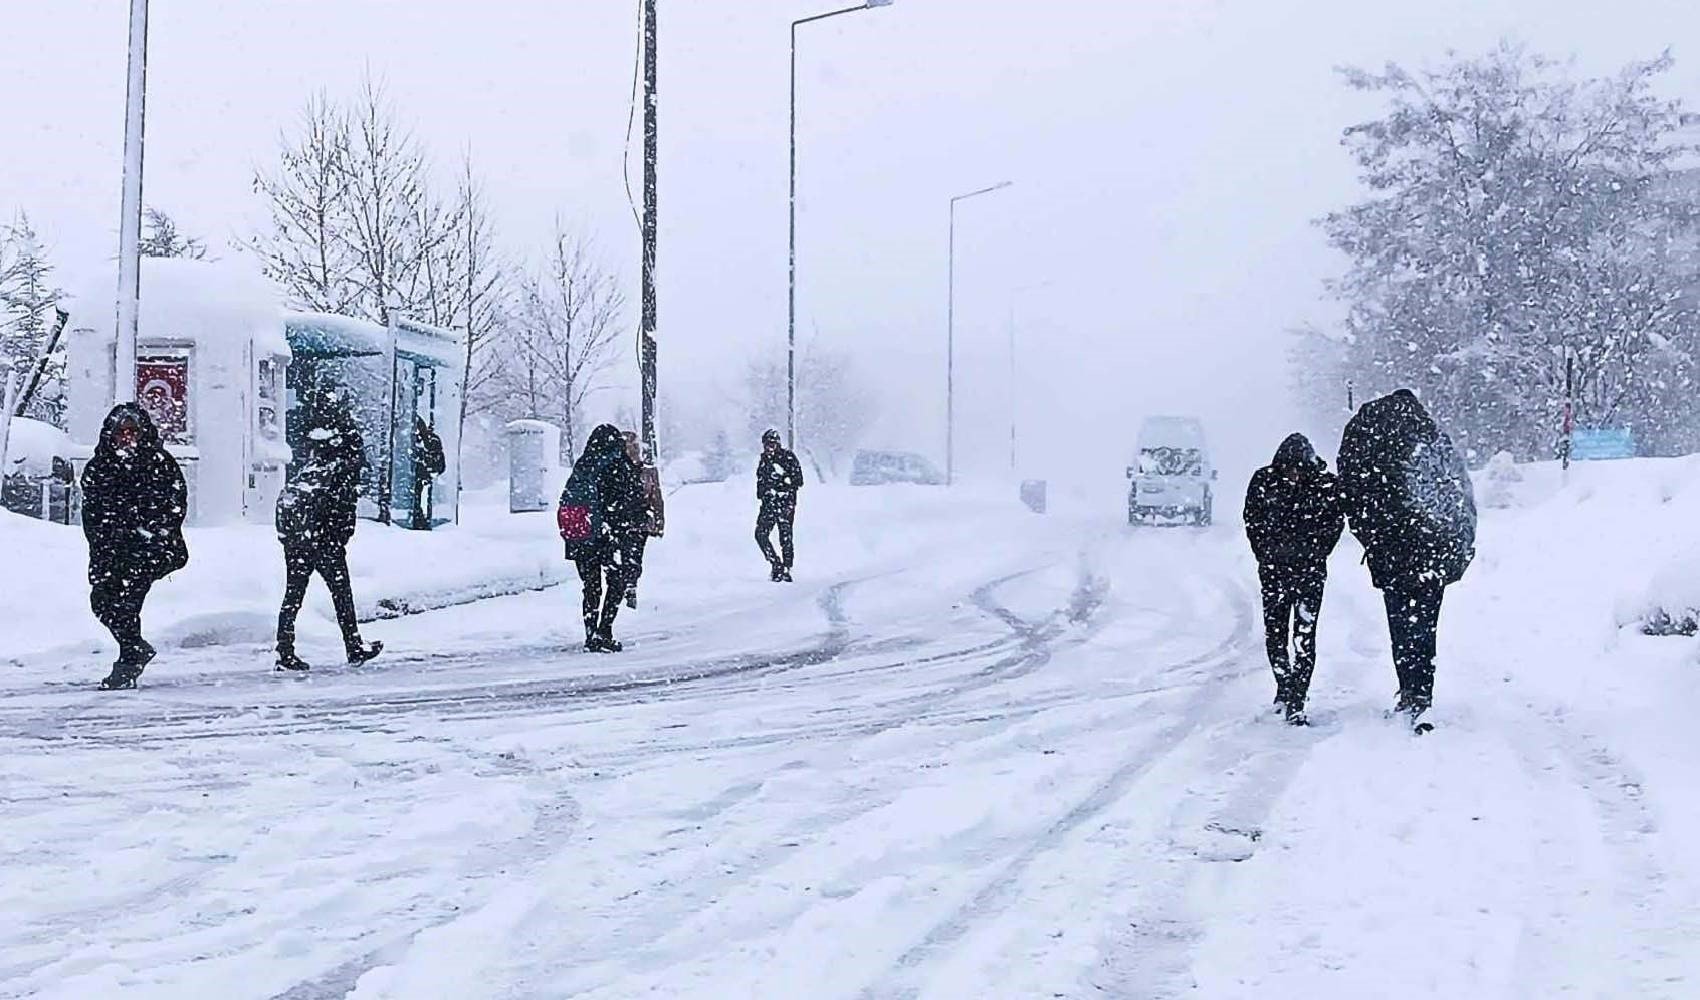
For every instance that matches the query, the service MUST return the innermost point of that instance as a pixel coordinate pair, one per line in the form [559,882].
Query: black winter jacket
[778,477]
[319,505]
[134,503]
[1408,494]
[607,482]
[1294,511]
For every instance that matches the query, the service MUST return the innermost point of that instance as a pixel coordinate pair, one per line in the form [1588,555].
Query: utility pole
[130,222]
[646,335]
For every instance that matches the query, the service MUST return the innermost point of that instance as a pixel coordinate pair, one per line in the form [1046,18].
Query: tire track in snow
[1002,890]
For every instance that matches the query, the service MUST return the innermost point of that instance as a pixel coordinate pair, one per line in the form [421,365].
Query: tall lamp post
[130,222]
[950,338]
[791,293]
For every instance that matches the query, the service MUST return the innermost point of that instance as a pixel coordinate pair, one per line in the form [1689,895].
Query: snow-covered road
[946,768]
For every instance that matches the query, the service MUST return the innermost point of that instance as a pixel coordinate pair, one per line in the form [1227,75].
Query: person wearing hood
[1294,516]
[1411,504]
[316,514]
[428,464]
[601,505]
[645,520]
[134,503]
[779,476]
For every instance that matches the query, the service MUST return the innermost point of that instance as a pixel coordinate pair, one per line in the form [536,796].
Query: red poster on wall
[162,389]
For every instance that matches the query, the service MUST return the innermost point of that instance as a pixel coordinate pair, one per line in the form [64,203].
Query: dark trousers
[782,515]
[604,586]
[1292,600]
[632,548]
[421,502]
[331,563]
[117,605]
[1413,618]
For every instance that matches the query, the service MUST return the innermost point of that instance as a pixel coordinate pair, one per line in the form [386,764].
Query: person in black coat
[779,476]
[1411,504]
[428,463]
[316,514]
[1294,515]
[605,484]
[134,502]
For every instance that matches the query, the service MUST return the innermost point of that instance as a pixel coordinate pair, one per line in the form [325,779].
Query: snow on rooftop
[192,300]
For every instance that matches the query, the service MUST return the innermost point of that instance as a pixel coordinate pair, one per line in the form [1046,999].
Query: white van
[1172,477]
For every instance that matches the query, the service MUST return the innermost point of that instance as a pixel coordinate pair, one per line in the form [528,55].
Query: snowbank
[230,591]
[31,447]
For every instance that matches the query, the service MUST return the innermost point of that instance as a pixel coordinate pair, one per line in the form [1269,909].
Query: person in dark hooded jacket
[1294,515]
[1411,504]
[605,486]
[316,514]
[134,502]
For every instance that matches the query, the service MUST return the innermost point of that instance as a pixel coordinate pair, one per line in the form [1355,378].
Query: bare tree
[558,348]
[305,249]
[835,405]
[394,225]
[28,300]
[482,290]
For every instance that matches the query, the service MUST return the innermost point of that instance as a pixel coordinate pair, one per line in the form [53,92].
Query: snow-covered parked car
[877,468]
[1172,477]
[38,478]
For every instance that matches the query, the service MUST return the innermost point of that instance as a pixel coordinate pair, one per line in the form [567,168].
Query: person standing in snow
[315,522]
[1294,515]
[778,478]
[1411,504]
[134,502]
[601,504]
[428,463]
[645,522]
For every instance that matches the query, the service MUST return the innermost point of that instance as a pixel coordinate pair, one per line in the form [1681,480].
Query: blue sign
[1600,443]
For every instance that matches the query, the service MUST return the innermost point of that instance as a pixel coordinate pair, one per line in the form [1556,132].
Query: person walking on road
[1411,504]
[601,503]
[315,522]
[428,463]
[1294,516]
[778,478]
[134,502]
[650,521]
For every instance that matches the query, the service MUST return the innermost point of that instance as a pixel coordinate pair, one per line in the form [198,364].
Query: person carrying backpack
[134,502]
[779,476]
[1410,502]
[598,508]
[642,523]
[315,522]
[1294,516]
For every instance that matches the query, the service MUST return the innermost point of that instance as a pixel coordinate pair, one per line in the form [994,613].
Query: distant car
[1172,477]
[877,468]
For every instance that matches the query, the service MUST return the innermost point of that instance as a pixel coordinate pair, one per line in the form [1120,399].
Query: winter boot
[785,574]
[360,652]
[1295,714]
[122,678]
[287,660]
[778,573]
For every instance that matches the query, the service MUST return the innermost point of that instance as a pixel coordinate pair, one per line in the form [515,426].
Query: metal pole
[130,222]
[950,338]
[646,343]
[950,356]
[1569,410]
[1012,384]
[791,270]
[791,274]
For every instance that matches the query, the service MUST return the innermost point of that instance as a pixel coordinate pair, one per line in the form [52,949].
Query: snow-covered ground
[972,753]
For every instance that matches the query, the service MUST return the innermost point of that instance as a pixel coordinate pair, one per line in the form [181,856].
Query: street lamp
[791,301]
[950,339]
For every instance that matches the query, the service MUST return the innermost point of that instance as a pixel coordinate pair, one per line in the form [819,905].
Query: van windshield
[1171,462]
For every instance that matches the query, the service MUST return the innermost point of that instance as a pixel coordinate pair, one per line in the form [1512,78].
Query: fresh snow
[973,753]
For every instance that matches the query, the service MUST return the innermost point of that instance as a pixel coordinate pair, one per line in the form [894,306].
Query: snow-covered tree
[834,405]
[305,247]
[28,317]
[1519,219]
[555,353]
[162,238]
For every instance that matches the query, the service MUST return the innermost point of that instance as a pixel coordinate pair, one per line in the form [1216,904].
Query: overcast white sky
[1167,156]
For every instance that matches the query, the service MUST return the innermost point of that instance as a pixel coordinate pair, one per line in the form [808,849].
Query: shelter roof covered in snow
[198,301]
